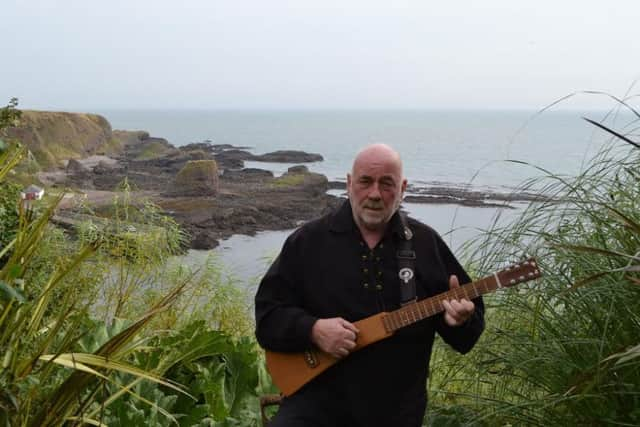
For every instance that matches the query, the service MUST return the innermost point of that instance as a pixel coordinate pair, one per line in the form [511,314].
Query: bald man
[342,268]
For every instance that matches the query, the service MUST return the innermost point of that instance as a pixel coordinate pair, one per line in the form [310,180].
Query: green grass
[152,150]
[288,180]
[112,146]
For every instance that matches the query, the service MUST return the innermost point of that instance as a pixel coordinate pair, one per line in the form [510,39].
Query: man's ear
[348,182]
[404,186]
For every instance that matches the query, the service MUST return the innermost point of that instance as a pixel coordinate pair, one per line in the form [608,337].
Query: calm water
[461,147]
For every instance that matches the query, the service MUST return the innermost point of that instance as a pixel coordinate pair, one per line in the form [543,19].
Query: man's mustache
[374,205]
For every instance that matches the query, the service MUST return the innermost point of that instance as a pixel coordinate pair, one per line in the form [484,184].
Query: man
[342,268]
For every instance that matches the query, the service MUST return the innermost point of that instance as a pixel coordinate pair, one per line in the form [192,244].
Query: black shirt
[324,270]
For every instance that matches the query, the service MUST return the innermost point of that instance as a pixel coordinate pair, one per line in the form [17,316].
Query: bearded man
[344,267]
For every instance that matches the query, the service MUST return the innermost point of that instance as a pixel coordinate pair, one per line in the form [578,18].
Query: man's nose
[374,193]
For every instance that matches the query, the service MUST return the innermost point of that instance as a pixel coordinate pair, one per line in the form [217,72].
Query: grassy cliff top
[56,136]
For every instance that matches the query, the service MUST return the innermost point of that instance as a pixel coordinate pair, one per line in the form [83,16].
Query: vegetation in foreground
[564,351]
[99,330]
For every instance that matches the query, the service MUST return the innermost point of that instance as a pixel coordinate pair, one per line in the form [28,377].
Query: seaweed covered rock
[197,177]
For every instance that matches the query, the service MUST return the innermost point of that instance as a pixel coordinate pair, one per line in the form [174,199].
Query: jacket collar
[342,221]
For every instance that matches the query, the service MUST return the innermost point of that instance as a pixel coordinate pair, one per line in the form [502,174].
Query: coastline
[241,200]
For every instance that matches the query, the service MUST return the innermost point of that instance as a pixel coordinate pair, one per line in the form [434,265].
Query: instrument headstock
[518,273]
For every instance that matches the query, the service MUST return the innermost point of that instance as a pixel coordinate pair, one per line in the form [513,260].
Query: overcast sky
[210,54]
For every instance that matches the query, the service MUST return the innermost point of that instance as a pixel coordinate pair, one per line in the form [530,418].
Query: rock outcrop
[229,157]
[204,187]
[288,156]
[197,178]
[147,147]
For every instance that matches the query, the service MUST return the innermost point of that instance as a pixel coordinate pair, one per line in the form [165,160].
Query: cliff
[56,136]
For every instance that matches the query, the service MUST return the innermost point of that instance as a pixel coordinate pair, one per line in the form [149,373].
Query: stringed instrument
[290,371]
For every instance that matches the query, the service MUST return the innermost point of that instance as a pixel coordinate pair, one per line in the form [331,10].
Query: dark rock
[199,155]
[74,166]
[288,156]
[298,169]
[246,174]
[204,241]
[337,185]
[235,154]
[102,168]
[232,159]
[204,146]
[230,163]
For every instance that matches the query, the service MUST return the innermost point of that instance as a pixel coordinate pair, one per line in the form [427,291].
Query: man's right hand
[335,336]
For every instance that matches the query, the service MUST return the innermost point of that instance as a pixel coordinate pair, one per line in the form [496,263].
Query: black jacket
[324,270]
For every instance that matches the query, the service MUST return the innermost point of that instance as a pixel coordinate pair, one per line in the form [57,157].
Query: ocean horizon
[453,146]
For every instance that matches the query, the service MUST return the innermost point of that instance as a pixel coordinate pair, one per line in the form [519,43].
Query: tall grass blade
[612,132]
[82,361]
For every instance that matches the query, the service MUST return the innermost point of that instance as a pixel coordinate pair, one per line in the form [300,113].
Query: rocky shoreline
[227,198]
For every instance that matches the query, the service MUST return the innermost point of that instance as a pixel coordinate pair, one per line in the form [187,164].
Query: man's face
[375,189]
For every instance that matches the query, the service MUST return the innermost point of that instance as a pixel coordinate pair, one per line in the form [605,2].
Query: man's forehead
[376,168]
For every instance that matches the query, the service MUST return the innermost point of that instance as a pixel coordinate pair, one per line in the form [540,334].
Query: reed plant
[564,351]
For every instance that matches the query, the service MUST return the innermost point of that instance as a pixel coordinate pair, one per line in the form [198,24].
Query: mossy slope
[56,136]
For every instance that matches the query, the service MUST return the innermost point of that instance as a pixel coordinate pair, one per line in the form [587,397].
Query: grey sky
[83,55]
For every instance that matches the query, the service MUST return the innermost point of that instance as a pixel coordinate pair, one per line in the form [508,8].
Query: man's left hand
[456,312]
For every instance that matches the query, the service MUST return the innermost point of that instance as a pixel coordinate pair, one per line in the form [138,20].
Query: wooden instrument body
[290,371]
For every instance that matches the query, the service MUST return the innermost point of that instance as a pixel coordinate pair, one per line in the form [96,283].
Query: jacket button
[365,270]
[379,287]
[366,286]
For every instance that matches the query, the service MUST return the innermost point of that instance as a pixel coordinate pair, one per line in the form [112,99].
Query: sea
[488,149]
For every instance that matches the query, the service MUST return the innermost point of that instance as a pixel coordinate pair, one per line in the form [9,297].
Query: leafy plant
[42,318]
[10,115]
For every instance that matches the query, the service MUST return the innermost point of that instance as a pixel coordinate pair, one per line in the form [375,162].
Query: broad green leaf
[82,359]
